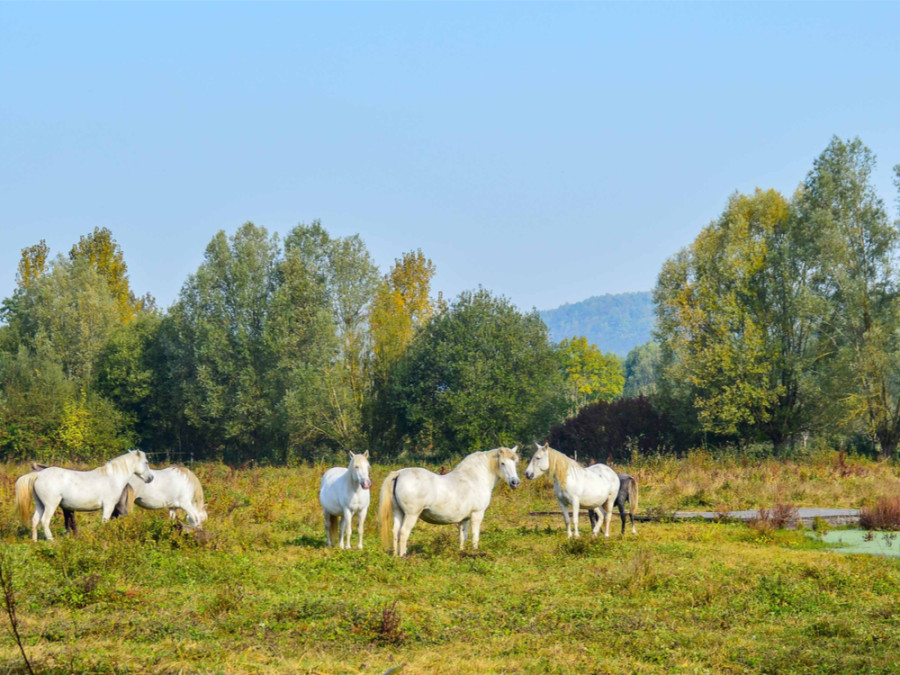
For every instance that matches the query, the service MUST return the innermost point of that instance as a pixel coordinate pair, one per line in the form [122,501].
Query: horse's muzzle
[529,475]
[514,483]
[367,485]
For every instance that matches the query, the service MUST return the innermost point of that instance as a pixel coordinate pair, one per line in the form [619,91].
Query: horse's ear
[351,454]
[366,454]
[537,445]
[514,448]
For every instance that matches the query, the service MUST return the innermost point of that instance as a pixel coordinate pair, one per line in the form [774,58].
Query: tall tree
[734,324]
[640,370]
[402,305]
[250,331]
[479,374]
[105,256]
[856,246]
[589,374]
[349,277]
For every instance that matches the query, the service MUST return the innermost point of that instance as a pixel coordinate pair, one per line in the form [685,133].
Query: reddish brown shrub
[884,515]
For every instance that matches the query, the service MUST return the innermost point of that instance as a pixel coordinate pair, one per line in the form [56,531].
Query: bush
[885,515]
[613,431]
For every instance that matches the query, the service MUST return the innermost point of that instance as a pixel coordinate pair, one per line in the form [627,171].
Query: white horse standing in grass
[345,493]
[173,488]
[461,496]
[575,486]
[96,490]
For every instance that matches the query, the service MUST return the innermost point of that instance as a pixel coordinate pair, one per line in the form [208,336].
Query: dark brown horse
[628,492]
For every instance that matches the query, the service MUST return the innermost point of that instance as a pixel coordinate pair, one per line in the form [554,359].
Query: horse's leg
[621,506]
[362,521]
[346,527]
[327,528]
[107,510]
[595,520]
[476,519]
[398,519]
[50,507]
[173,514]
[463,533]
[576,507]
[607,514]
[565,512]
[36,517]
[409,521]
[69,520]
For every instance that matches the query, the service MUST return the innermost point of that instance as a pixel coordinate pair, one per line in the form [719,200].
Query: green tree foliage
[589,374]
[712,344]
[251,334]
[33,264]
[735,325]
[479,374]
[58,323]
[349,278]
[105,256]
[856,244]
[782,317]
[402,305]
[640,370]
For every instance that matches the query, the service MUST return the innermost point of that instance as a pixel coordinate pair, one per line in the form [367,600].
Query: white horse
[345,493]
[96,490]
[576,486]
[461,496]
[173,488]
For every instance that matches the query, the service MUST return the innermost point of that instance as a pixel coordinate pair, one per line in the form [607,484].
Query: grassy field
[258,592]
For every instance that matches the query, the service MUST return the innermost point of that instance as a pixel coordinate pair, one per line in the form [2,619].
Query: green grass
[260,593]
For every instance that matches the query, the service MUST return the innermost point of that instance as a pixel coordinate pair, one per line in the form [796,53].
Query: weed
[388,630]
[884,515]
[9,602]
[775,518]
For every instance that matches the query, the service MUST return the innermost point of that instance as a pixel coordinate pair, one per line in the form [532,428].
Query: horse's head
[359,469]
[540,462]
[202,515]
[506,462]
[142,468]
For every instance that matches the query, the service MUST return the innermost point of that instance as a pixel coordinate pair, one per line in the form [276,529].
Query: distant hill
[615,323]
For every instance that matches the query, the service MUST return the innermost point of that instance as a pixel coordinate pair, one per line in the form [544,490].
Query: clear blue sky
[549,152]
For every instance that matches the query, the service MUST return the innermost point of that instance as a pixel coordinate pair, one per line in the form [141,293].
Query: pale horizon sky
[549,152]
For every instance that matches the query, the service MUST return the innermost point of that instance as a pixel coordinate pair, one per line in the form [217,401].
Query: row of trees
[275,350]
[781,320]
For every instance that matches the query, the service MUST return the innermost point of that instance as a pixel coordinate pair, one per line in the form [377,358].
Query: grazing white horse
[576,486]
[461,496]
[96,490]
[345,493]
[173,488]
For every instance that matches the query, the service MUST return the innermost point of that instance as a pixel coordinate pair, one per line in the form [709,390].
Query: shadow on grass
[307,541]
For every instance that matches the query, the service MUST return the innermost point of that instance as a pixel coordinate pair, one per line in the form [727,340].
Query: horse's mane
[560,465]
[482,457]
[121,465]
[197,497]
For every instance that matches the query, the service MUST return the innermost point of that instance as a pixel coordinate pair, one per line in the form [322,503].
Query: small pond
[861,541]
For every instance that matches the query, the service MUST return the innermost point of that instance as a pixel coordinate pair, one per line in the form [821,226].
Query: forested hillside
[615,323]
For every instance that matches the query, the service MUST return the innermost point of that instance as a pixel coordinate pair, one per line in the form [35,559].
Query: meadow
[257,591]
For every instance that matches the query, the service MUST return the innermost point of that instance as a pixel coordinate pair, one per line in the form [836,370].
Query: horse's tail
[632,496]
[386,509]
[197,494]
[24,492]
[126,502]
